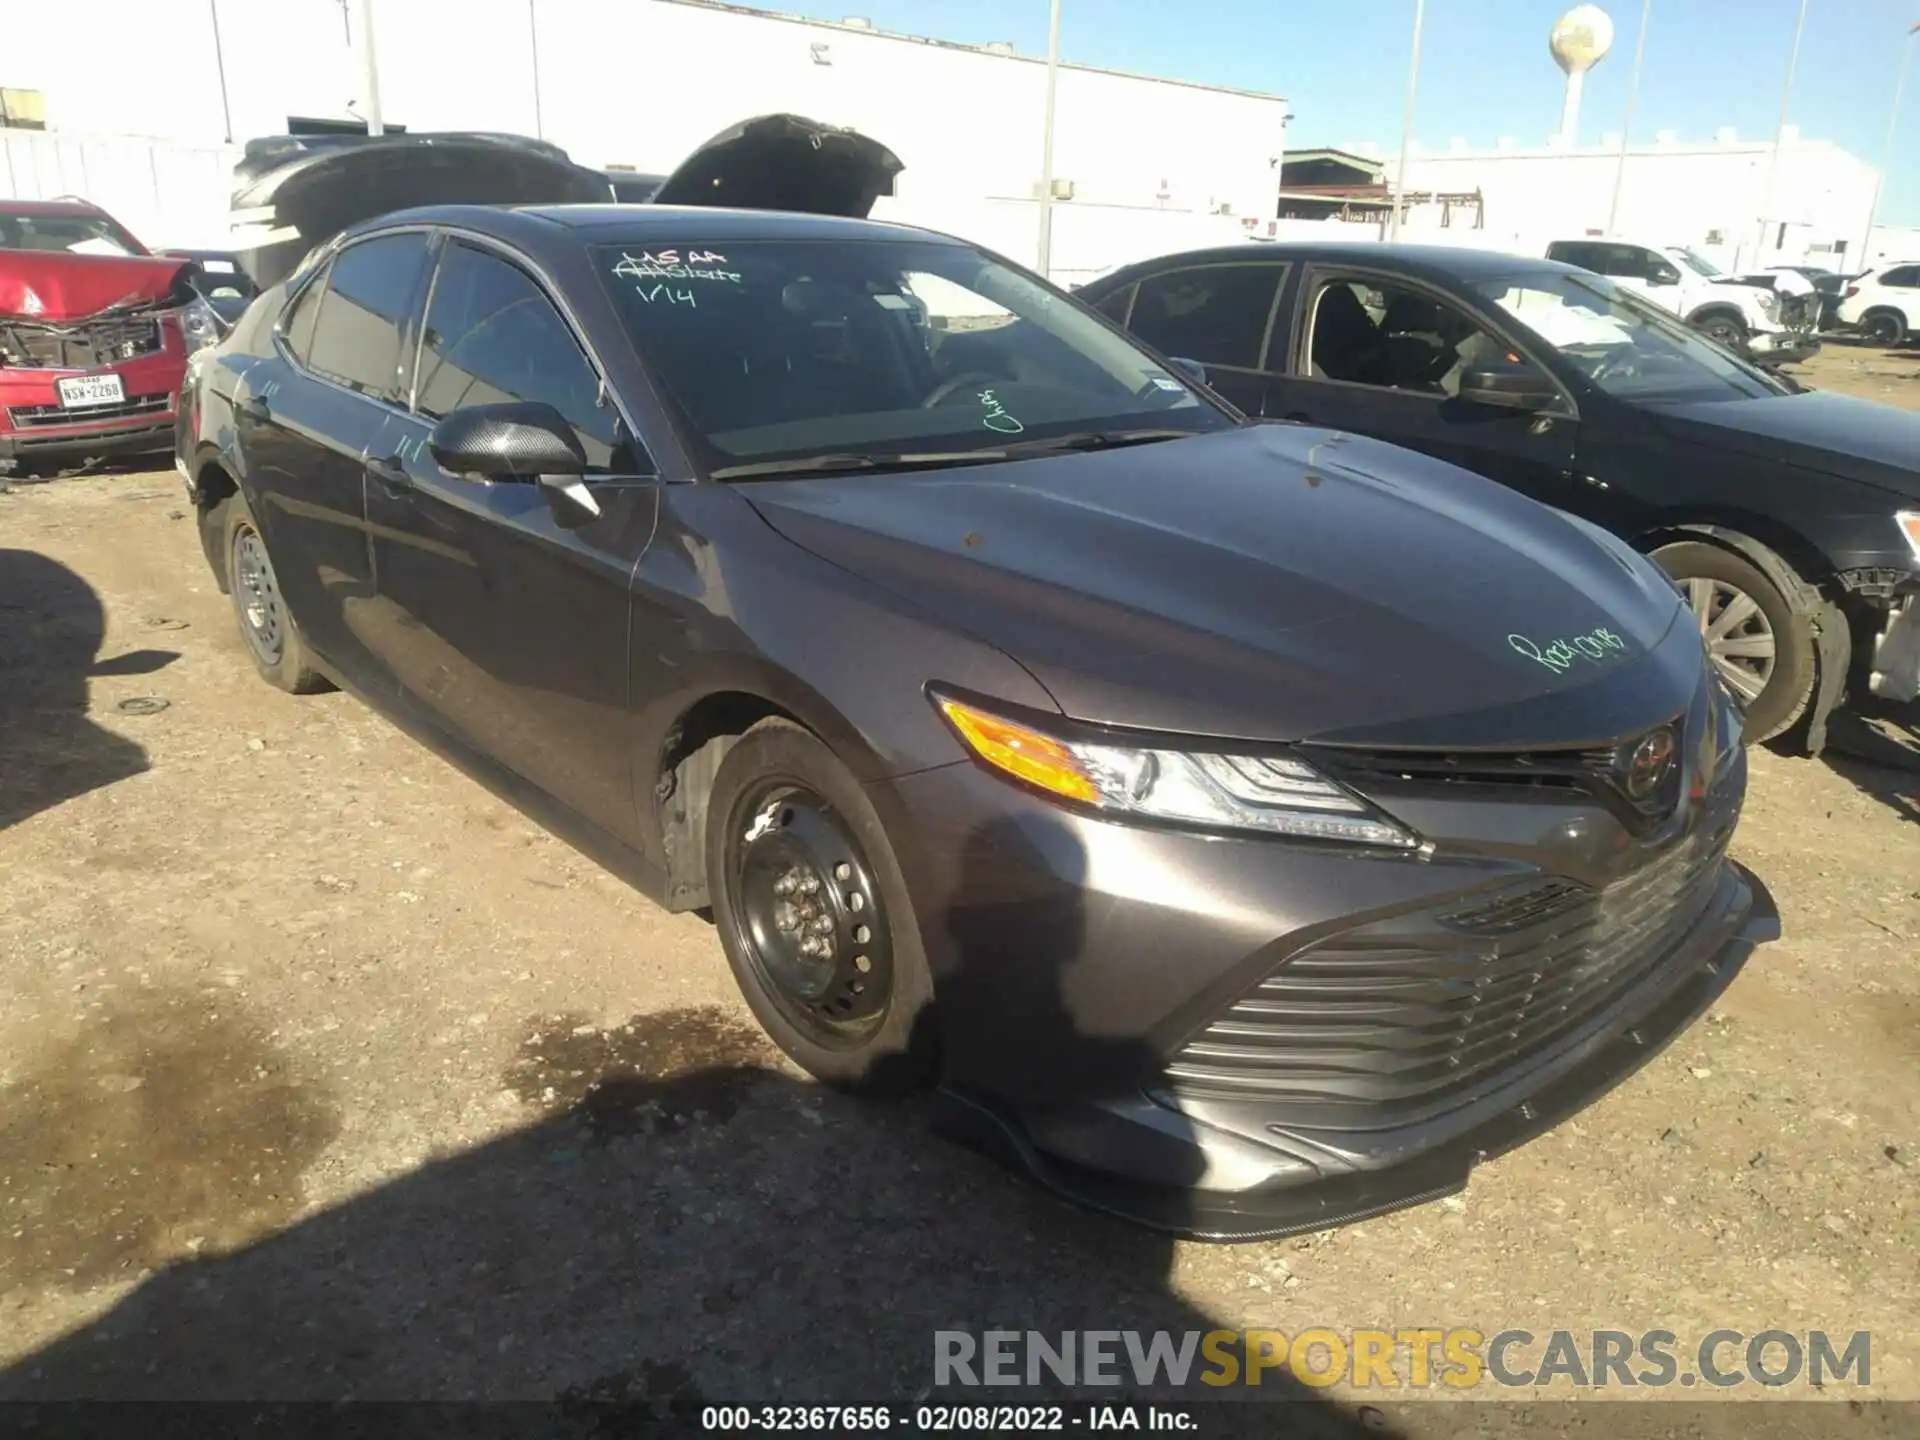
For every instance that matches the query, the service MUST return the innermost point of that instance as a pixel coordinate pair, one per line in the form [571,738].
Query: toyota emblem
[1649,762]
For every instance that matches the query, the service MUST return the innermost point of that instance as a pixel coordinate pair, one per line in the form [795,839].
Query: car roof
[50,207]
[677,224]
[1430,262]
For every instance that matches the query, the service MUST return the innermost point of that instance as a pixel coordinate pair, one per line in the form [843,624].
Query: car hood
[785,162]
[52,286]
[1815,430]
[1270,582]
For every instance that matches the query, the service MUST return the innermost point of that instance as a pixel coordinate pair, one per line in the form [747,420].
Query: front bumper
[1081,967]
[1783,347]
[33,426]
[1895,673]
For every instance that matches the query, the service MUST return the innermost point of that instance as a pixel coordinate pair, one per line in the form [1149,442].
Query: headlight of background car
[199,326]
[1215,790]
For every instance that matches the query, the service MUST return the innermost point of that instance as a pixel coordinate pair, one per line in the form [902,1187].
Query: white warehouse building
[1141,165]
[1725,197]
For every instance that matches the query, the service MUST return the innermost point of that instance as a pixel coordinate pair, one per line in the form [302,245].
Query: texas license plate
[80,391]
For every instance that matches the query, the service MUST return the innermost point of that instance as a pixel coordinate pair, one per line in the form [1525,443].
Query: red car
[95,332]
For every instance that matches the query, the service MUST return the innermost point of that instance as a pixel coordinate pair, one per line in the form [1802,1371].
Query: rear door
[504,618]
[306,422]
[1219,313]
[1383,356]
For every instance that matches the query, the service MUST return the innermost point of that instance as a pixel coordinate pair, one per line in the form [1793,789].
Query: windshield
[870,350]
[1621,344]
[1695,261]
[71,234]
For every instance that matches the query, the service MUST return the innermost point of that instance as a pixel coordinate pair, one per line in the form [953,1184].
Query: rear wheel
[1760,648]
[814,915]
[266,625]
[1884,327]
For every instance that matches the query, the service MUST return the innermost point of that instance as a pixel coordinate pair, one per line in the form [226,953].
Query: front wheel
[1762,651]
[814,915]
[1723,330]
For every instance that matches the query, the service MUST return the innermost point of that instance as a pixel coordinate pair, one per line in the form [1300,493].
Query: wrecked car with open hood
[295,192]
[95,334]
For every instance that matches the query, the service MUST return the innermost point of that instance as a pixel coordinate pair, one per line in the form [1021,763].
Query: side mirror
[1518,387]
[1192,369]
[1666,275]
[522,440]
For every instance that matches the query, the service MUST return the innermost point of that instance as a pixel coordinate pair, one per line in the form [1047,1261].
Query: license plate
[83,390]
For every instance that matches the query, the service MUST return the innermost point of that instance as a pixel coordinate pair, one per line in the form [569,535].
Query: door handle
[392,476]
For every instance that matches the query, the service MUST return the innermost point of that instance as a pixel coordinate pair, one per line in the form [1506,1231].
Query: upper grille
[77,347]
[1407,1014]
[27,417]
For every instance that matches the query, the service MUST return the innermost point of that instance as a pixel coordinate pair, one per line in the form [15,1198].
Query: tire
[1713,580]
[266,626]
[783,808]
[1886,327]
[1724,329]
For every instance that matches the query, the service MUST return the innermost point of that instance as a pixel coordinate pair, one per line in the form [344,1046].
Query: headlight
[1909,523]
[199,326]
[1276,795]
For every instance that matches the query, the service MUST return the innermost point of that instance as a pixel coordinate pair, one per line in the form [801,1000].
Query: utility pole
[369,70]
[220,68]
[1046,141]
[1886,151]
[1780,135]
[1406,121]
[1626,125]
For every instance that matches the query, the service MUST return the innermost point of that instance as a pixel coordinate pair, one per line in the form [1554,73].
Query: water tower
[1579,41]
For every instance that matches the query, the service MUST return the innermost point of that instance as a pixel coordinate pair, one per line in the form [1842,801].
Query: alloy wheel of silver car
[1738,637]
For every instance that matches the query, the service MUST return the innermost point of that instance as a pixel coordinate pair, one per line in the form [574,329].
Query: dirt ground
[325,1074]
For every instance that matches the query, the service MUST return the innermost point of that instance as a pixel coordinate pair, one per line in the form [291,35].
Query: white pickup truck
[1770,318]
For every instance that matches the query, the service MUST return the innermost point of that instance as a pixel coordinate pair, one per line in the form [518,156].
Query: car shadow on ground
[686,1223]
[1875,746]
[51,628]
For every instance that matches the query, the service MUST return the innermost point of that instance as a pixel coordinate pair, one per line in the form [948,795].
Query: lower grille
[27,417]
[1407,1014]
[86,346]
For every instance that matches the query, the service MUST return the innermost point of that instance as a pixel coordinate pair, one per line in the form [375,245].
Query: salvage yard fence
[171,195]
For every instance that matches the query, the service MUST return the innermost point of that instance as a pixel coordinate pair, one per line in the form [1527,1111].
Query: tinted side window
[1216,314]
[1368,333]
[297,324]
[1906,277]
[493,336]
[356,338]
[1575,252]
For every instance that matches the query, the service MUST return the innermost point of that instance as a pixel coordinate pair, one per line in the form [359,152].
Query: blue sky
[1484,69]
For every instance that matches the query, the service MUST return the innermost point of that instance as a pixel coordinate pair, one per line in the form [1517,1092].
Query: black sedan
[1247,827]
[1791,518]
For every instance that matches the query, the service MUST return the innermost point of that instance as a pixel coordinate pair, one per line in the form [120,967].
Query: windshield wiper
[1092,440]
[850,464]
[847,464]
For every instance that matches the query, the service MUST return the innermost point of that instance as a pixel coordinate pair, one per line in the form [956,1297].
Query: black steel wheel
[814,915]
[809,913]
[266,624]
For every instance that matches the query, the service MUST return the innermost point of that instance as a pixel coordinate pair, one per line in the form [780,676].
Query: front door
[1384,357]
[501,610]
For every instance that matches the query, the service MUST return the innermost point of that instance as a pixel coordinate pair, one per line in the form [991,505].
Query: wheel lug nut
[843,871]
